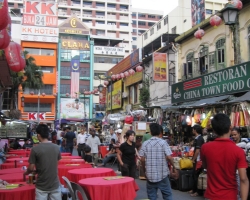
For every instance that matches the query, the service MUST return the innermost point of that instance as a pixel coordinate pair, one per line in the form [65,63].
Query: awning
[210,101]
[186,104]
[244,97]
[169,107]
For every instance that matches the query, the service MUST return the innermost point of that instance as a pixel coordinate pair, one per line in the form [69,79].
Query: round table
[20,153]
[63,169]
[24,159]
[12,165]
[8,156]
[71,157]
[76,175]
[26,192]
[122,189]
[13,178]
[11,171]
[71,161]
[65,154]
[104,150]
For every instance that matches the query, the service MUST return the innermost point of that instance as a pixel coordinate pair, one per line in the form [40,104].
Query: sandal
[190,192]
[194,194]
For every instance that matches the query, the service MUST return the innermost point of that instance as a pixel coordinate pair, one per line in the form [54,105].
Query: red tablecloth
[104,150]
[12,165]
[63,170]
[71,161]
[20,153]
[65,154]
[71,157]
[13,178]
[26,192]
[76,175]
[8,156]
[11,171]
[99,189]
[24,159]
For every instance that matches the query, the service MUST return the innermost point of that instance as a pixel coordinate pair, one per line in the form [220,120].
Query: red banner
[102,96]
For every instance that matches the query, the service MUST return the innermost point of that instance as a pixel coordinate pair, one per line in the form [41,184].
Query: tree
[144,93]
[30,78]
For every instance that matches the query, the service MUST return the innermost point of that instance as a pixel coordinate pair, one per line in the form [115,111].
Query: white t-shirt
[58,134]
[81,138]
[93,142]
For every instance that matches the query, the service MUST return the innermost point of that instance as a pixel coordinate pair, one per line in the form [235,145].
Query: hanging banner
[160,67]
[102,96]
[117,95]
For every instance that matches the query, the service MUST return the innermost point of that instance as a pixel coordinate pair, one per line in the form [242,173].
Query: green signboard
[226,81]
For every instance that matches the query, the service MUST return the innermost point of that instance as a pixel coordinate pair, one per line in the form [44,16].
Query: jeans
[80,150]
[51,195]
[108,158]
[58,142]
[69,149]
[95,158]
[163,185]
[128,170]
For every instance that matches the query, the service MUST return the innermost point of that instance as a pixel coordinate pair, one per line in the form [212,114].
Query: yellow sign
[73,22]
[160,67]
[75,44]
[116,96]
[136,77]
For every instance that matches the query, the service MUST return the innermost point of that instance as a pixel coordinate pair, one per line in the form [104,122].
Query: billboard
[160,67]
[197,11]
[69,109]
[116,96]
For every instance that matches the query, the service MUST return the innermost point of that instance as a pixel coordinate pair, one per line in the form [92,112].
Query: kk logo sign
[33,116]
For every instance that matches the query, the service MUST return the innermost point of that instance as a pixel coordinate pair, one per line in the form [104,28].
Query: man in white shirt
[81,139]
[58,136]
[113,135]
[93,141]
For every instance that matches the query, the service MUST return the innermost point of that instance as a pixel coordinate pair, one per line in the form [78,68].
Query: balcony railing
[111,17]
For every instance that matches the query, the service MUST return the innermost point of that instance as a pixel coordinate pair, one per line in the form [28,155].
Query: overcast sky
[163,5]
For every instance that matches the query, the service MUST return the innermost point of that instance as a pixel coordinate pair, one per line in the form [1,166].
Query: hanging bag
[205,121]
[197,116]
[186,163]
[237,117]
[242,120]
[245,113]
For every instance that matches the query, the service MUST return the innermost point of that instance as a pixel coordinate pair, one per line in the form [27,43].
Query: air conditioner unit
[140,86]
[124,95]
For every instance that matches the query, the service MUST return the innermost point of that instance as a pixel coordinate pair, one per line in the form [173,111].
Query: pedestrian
[113,135]
[93,141]
[155,154]
[222,158]
[146,137]
[81,139]
[198,142]
[126,155]
[58,136]
[44,159]
[70,139]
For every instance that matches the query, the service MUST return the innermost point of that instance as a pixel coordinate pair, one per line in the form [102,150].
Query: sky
[163,5]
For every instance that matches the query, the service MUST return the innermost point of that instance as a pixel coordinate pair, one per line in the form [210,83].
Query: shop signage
[102,96]
[128,62]
[39,38]
[35,116]
[137,77]
[160,67]
[226,81]
[73,26]
[37,13]
[116,96]
[75,44]
[118,51]
[43,31]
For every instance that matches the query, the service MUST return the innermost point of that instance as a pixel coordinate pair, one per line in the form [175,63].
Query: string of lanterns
[216,20]
[13,51]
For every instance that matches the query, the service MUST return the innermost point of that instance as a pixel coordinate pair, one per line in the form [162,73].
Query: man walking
[155,153]
[113,135]
[70,139]
[198,142]
[81,139]
[222,158]
[44,158]
[93,141]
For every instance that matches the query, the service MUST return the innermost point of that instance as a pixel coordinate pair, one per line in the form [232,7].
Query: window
[151,16]
[141,15]
[152,31]
[100,4]
[47,69]
[84,55]
[133,14]
[134,46]
[47,89]
[102,59]
[111,5]
[151,24]
[133,94]
[86,21]
[97,74]
[124,7]
[65,71]
[99,107]
[203,60]
[44,52]
[134,38]
[87,3]
[100,13]
[86,12]
[20,5]
[100,22]
[220,53]
[134,31]
[166,20]
[141,31]
[100,32]
[65,88]
[32,107]
[158,26]
[146,36]
[174,30]
[84,72]
[172,76]
[123,24]
[134,22]
[209,12]
[141,23]
[211,59]
[65,55]
[159,17]
[188,68]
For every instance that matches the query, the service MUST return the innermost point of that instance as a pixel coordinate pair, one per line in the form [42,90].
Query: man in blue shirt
[70,139]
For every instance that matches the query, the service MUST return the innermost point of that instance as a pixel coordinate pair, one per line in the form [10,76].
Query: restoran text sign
[226,81]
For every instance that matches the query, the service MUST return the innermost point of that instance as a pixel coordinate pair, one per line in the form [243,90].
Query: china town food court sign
[226,81]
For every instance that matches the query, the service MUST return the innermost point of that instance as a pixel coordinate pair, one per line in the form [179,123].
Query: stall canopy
[245,97]
[169,107]
[210,101]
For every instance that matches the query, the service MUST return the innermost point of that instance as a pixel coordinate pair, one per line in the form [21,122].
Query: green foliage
[144,93]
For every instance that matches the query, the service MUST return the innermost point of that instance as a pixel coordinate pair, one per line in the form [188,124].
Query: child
[88,157]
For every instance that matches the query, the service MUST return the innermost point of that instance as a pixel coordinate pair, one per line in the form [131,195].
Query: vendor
[240,142]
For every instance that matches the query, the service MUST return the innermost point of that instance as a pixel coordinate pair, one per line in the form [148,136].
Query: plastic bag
[197,116]
[186,163]
[232,116]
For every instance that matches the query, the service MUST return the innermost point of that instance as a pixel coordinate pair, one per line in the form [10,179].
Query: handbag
[186,163]
[202,181]
[129,119]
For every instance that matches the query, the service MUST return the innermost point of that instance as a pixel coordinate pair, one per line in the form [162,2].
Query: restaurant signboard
[226,81]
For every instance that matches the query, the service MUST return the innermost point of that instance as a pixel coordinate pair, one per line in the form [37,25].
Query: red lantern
[113,77]
[105,83]
[117,76]
[237,4]
[139,68]
[215,21]
[122,75]
[131,71]
[67,94]
[126,74]
[43,94]
[5,35]
[4,14]
[15,57]
[31,93]
[199,33]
